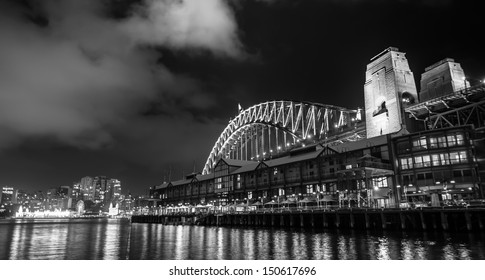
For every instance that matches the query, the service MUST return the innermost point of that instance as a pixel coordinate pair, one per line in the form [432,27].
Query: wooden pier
[425,219]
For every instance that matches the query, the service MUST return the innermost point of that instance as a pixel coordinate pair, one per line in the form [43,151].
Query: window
[408,180]
[451,140]
[275,171]
[406,163]
[454,159]
[250,195]
[219,183]
[463,156]
[433,143]
[281,191]
[418,162]
[309,189]
[459,139]
[426,161]
[380,182]
[435,160]
[238,181]
[420,143]
[445,159]
[403,147]
[441,142]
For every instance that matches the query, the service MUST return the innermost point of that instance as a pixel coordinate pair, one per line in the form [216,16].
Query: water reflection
[265,243]
[117,239]
[59,239]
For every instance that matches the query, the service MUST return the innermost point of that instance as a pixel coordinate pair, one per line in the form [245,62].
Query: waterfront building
[408,150]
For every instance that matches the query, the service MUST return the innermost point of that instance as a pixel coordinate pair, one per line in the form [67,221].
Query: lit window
[404,163]
[441,142]
[445,159]
[459,139]
[219,183]
[420,143]
[463,157]
[380,182]
[418,162]
[454,159]
[426,161]
[435,160]
[281,191]
[451,140]
[309,189]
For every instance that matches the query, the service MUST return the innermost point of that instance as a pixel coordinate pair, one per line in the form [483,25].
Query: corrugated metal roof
[361,144]
[236,162]
[181,182]
[246,168]
[205,177]
[290,159]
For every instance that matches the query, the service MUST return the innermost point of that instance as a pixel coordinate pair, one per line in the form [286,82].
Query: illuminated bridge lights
[261,131]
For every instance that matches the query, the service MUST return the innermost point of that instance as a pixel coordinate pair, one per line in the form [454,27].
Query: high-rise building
[388,81]
[115,189]
[100,184]
[7,197]
[87,188]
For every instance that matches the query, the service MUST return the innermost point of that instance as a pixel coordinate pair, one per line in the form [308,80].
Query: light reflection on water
[118,239]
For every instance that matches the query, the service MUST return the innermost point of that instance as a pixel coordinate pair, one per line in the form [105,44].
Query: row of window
[431,142]
[434,160]
[441,177]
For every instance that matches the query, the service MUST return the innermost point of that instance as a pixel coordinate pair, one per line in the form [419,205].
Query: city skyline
[102,110]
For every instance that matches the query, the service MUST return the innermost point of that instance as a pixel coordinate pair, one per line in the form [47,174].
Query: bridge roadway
[421,219]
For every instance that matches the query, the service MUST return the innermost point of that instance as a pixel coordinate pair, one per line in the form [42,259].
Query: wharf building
[405,148]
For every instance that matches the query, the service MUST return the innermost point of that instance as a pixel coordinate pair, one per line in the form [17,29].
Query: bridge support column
[480,222]
[272,220]
[302,220]
[367,220]
[282,220]
[352,220]
[292,218]
[313,220]
[337,220]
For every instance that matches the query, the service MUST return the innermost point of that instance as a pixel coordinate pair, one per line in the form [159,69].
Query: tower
[389,85]
[444,77]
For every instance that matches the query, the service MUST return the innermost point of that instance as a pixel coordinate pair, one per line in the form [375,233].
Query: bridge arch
[267,129]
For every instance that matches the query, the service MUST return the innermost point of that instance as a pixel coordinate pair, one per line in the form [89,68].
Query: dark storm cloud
[83,74]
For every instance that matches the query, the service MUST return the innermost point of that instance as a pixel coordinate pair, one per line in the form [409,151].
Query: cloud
[207,24]
[82,75]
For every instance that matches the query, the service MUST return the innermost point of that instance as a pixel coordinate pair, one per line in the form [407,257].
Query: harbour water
[106,239]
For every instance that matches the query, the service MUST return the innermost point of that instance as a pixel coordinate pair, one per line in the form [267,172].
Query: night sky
[132,89]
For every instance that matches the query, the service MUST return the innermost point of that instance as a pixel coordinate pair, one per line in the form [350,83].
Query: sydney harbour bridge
[270,129]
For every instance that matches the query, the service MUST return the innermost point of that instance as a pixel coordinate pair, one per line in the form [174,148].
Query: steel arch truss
[273,127]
